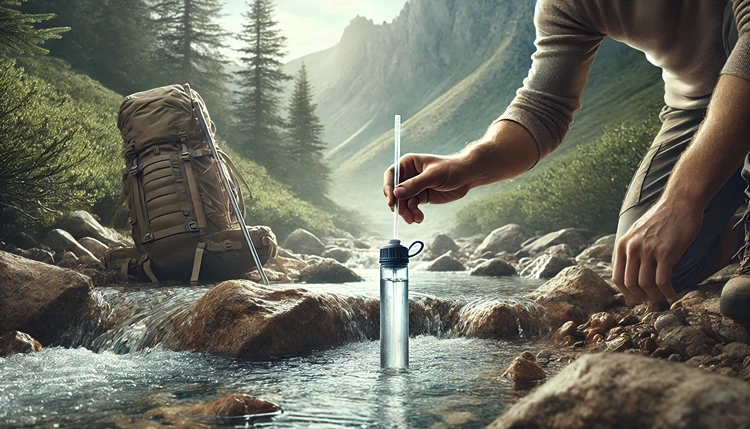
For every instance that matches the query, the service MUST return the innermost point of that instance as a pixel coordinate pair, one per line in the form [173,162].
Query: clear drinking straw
[396,171]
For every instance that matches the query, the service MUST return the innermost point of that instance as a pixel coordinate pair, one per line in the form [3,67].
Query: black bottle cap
[394,255]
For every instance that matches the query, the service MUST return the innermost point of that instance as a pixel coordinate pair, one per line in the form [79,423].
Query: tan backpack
[179,211]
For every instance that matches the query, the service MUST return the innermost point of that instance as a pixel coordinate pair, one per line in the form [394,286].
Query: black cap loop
[396,255]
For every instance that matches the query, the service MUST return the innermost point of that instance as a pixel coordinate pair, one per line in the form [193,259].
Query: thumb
[412,187]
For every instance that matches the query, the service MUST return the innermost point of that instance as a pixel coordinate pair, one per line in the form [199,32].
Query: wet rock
[69,260]
[523,370]
[59,240]
[528,356]
[96,247]
[663,351]
[675,357]
[18,342]
[82,224]
[573,237]
[560,250]
[522,254]
[574,294]
[667,321]
[446,263]
[304,242]
[507,238]
[442,244]
[601,250]
[494,268]
[567,328]
[40,299]
[618,390]
[338,254]
[361,244]
[545,266]
[328,271]
[243,319]
[234,406]
[544,354]
[501,319]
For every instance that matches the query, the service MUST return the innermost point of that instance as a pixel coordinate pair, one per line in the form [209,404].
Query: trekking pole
[225,181]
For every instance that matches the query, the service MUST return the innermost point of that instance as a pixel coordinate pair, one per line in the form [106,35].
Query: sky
[314,25]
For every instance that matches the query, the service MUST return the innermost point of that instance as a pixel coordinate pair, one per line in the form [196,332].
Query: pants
[701,259]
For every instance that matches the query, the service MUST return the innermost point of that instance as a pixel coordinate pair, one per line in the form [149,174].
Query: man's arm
[533,126]
[645,256]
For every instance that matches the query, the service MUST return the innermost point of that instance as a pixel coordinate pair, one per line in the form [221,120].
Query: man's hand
[645,256]
[425,178]
[505,151]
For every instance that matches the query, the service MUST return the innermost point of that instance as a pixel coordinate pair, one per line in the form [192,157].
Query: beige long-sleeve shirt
[682,37]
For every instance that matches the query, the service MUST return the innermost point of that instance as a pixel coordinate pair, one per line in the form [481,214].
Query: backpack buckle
[228,244]
[149,237]
[192,226]
[185,156]
[134,169]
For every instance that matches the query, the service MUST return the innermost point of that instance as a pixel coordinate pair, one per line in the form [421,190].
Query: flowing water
[114,370]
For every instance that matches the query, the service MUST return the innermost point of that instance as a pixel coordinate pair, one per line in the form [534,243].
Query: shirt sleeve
[738,63]
[565,51]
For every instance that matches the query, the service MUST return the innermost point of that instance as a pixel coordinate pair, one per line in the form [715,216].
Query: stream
[113,370]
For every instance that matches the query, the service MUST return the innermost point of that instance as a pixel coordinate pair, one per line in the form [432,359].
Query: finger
[632,267]
[664,279]
[413,206]
[403,211]
[618,272]
[647,280]
[412,187]
[388,187]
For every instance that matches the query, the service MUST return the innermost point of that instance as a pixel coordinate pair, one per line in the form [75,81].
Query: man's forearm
[718,148]
[505,151]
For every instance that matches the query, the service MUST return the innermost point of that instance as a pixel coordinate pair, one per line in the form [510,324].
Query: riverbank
[556,307]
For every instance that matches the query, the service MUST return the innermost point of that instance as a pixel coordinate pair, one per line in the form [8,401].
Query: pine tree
[112,41]
[260,124]
[18,35]
[305,143]
[191,40]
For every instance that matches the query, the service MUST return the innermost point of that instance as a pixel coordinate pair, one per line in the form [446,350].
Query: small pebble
[544,354]
[647,345]
[579,344]
[667,321]
[628,320]
[528,356]
[674,358]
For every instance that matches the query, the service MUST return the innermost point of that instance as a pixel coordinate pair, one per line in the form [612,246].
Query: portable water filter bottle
[394,304]
[394,284]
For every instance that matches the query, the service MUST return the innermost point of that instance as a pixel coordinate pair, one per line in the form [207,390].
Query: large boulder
[82,224]
[18,342]
[545,266]
[60,240]
[601,250]
[446,263]
[304,242]
[328,271]
[243,319]
[493,268]
[40,299]
[574,294]
[339,254]
[496,319]
[573,237]
[441,245]
[615,390]
[505,239]
[96,247]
